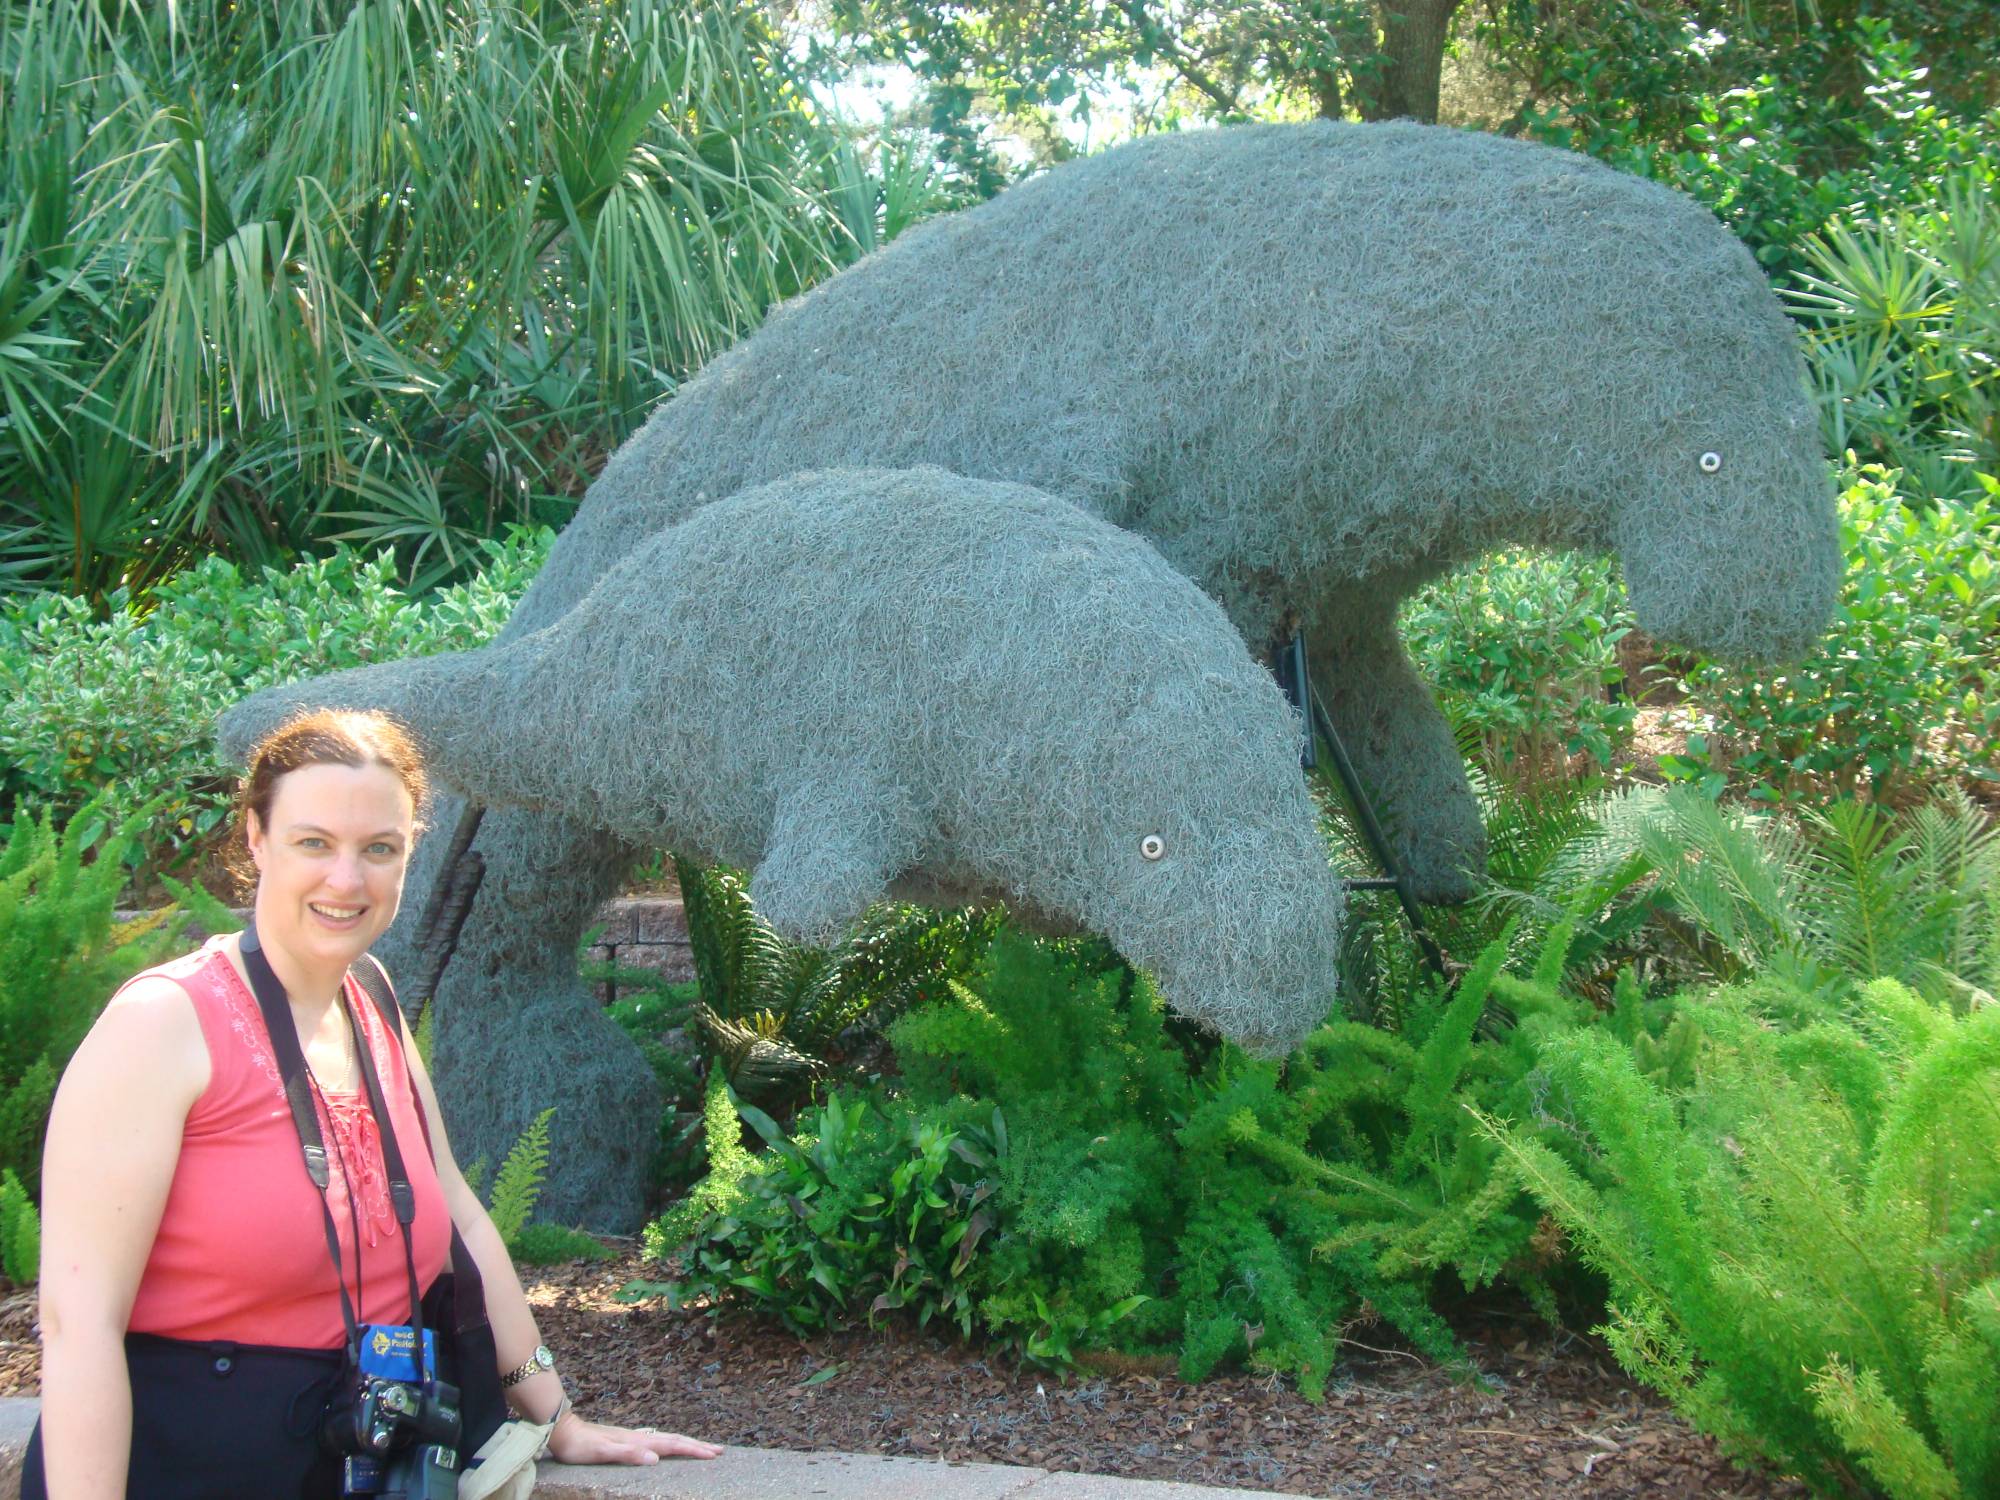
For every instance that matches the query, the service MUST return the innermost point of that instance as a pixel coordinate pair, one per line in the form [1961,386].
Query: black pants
[220,1422]
[241,1421]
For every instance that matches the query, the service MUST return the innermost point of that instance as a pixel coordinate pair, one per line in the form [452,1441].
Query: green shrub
[1155,1190]
[858,1213]
[1522,651]
[1803,1246]
[61,957]
[20,1232]
[1903,693]
[1779,121]
[121,708]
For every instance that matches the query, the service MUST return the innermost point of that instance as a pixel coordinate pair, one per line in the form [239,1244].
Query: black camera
[398,1437]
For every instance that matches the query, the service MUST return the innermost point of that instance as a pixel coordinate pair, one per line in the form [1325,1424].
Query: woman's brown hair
[324,737]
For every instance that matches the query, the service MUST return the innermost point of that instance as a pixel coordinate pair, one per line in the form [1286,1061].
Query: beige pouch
[504,1467]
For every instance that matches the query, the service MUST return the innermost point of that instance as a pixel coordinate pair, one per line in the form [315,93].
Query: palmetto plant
[1903,323]
[388,270]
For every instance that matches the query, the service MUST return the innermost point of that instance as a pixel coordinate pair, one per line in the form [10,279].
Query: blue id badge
[389,1352]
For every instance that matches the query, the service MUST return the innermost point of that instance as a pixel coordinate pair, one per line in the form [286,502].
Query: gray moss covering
[1314,366]
[860,684]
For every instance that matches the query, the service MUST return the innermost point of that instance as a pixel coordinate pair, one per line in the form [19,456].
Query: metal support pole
[1297,684]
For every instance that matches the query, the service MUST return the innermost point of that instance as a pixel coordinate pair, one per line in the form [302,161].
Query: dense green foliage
[20,1232]
[1901,309]
[1802,1247]
[1780,118]
[1162,1193]
[1900,697]
[1157,1191]
[1523,654]
[1695,893]
[62,955]
[119,708]
[772,1010]
[400,273]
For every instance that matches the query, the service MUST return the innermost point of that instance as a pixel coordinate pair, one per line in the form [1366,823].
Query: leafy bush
[1779,122]
[398,274]
[1903,693]
[858,1211]
[1802,1247]
[1522,651]
[120,709]
[1156,1190]
[20,1232]
[1694,892]
[1900,696]
[61,957]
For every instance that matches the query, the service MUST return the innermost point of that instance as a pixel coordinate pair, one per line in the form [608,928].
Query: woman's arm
[515,1336]
[114,1140]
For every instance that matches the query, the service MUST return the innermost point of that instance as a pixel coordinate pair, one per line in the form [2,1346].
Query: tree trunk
[1414,33]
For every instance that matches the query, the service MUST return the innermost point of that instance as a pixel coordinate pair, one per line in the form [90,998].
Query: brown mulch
[1555,1416]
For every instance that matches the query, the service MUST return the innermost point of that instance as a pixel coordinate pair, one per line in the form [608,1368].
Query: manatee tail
[415,692]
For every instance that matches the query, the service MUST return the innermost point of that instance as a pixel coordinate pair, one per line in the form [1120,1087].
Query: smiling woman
[203,1299]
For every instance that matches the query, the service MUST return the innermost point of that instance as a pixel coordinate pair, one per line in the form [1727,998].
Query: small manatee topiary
[1315,366]
[905,683]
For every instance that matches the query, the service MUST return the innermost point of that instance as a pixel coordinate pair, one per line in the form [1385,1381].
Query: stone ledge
[766,1474]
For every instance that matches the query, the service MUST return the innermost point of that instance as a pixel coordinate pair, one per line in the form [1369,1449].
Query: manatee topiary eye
[1152,846]
[1711,463]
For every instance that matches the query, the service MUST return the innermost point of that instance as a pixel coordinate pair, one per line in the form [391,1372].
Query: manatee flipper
[1402,746]
[835,843]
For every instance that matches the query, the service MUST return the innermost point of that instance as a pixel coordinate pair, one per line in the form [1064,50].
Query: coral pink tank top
[241,1250]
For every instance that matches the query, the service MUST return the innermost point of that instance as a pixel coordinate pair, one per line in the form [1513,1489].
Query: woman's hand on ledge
[575,1441]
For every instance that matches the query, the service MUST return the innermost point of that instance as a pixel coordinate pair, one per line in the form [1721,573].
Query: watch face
[543,1358]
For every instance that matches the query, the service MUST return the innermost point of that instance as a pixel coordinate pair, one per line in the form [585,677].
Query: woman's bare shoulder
[149,1030]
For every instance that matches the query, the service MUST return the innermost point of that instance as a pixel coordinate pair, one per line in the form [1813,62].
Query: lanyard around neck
[277,1008]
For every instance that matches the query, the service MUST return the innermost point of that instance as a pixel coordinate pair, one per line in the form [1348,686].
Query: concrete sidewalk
[768,1474]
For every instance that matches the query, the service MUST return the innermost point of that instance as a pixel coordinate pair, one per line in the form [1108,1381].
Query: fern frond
[519,1181]
[1857,897]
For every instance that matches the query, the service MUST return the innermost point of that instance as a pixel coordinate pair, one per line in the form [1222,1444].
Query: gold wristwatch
[537,1362]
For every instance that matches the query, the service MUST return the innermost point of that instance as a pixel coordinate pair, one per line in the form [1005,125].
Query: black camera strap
[292,1071]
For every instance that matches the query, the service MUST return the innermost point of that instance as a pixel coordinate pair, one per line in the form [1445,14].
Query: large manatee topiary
[861,684]
[1315,366]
